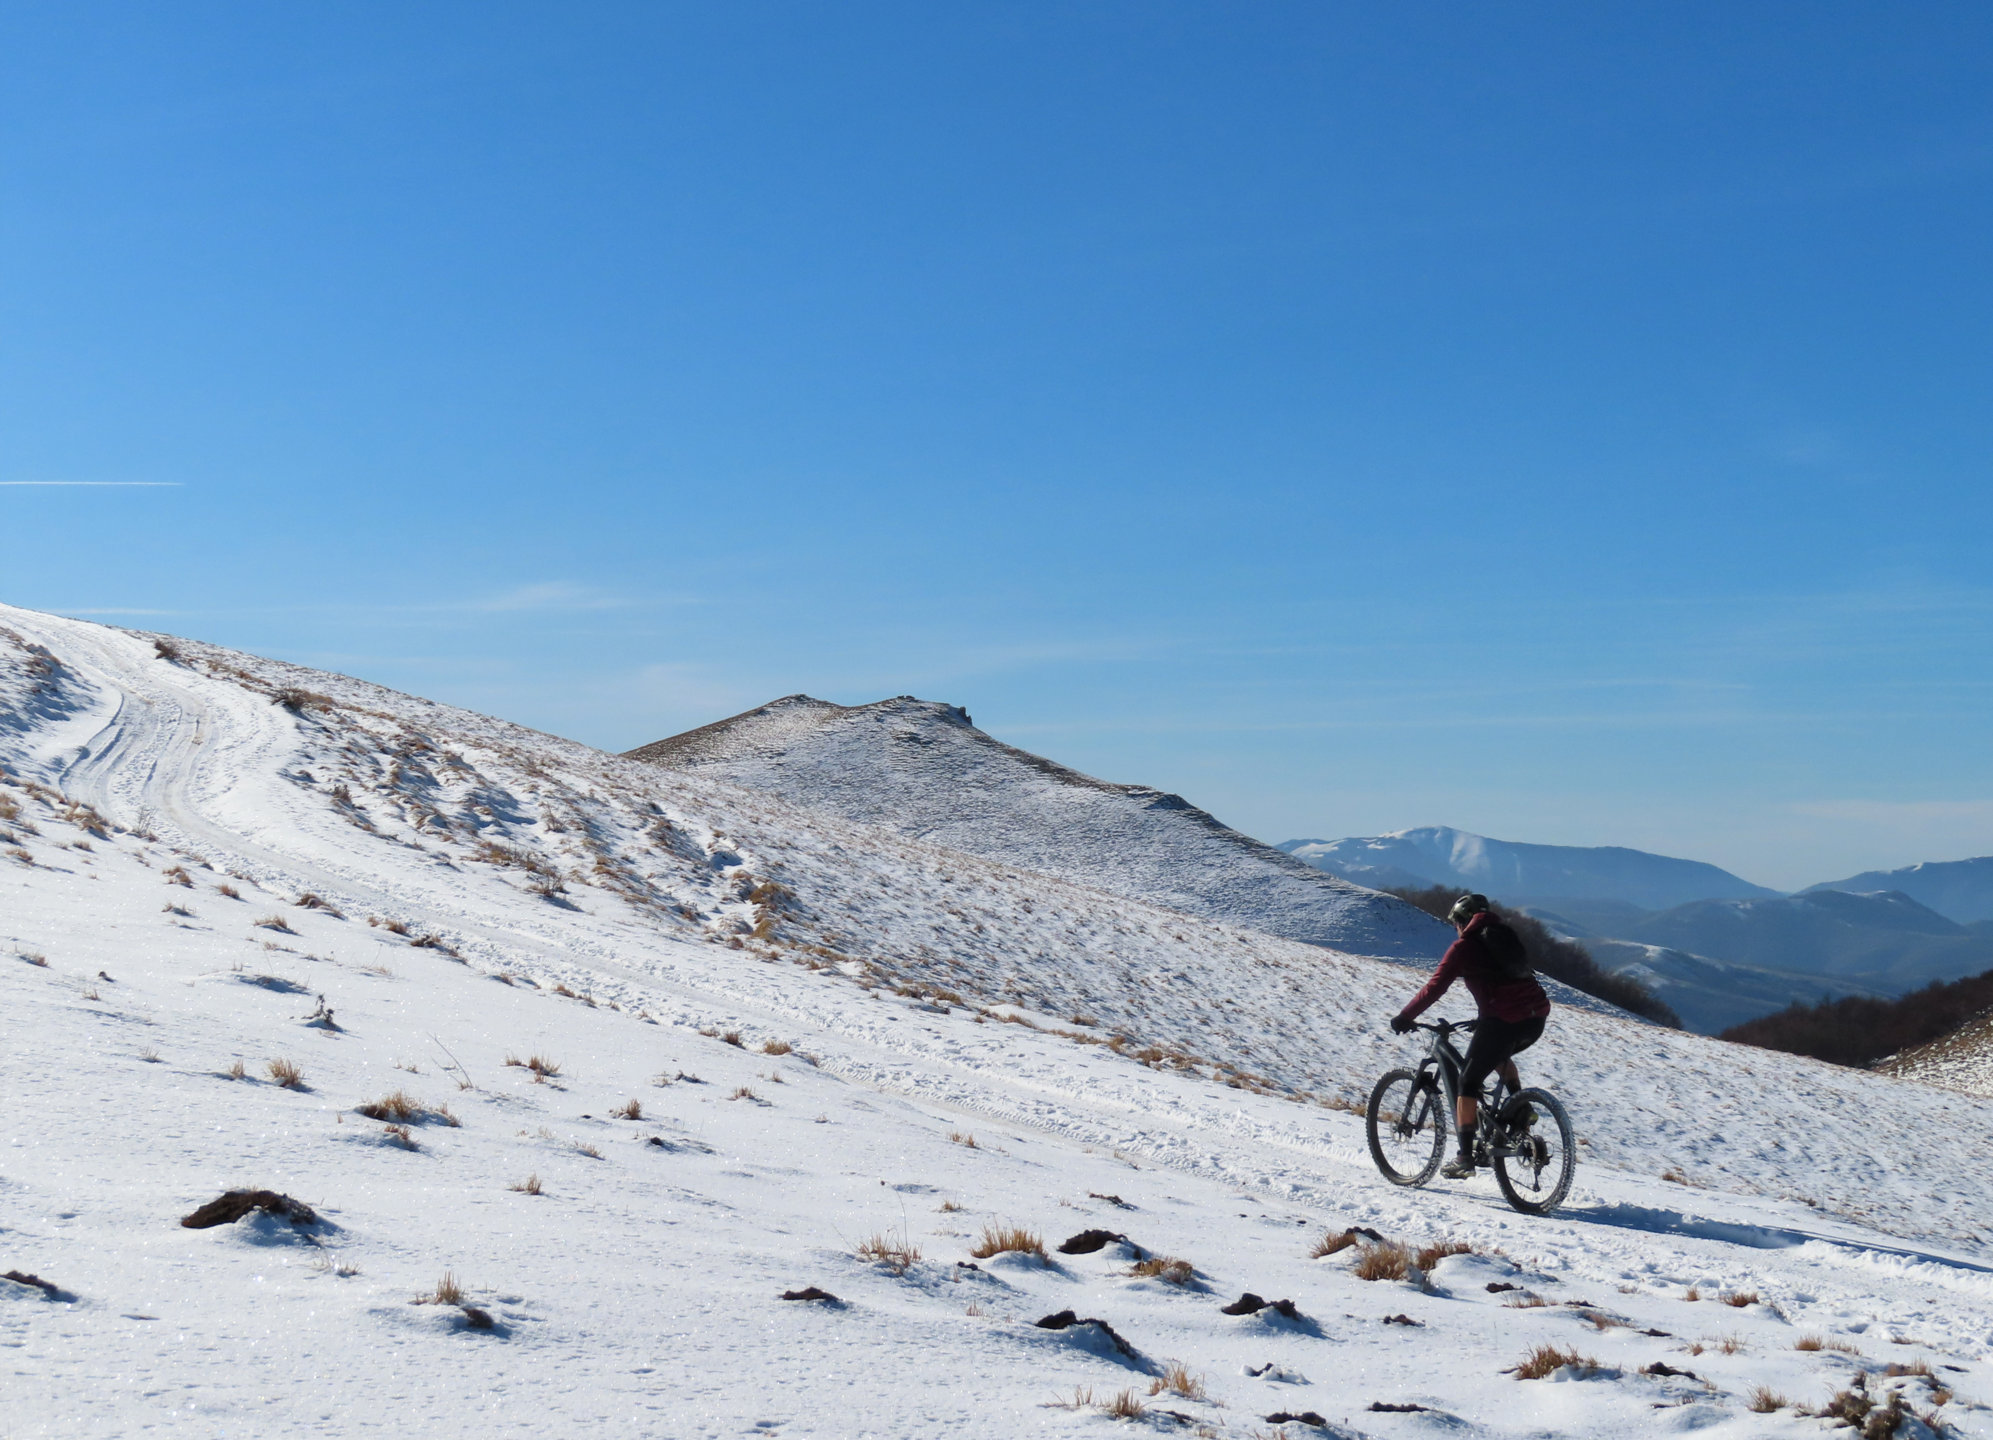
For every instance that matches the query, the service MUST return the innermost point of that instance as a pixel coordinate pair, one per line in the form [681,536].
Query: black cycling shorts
[1495,1041]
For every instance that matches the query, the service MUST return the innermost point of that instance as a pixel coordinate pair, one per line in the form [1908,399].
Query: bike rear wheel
[1536,1179]
[1404,1127]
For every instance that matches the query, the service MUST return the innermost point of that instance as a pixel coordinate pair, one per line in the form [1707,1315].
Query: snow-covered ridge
[924,770]
[638,1295]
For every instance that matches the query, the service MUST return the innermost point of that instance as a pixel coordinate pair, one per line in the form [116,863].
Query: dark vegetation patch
[810,1292]
[1857,1030]
[1560,959]
[234,1204]
[50,1290]
[1066,1320]
[1386,1408]
[1297,1417]
[1088,1241]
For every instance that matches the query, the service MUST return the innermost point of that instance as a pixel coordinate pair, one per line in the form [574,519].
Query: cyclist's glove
[1400,1024]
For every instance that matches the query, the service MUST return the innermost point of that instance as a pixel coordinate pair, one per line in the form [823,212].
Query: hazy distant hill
[1960,890]
[1522,874]
[924,770]
[1886,943]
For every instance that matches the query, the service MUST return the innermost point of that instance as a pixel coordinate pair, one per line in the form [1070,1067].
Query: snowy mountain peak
[922,768]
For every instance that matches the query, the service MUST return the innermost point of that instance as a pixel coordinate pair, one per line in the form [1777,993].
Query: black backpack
[1505,952]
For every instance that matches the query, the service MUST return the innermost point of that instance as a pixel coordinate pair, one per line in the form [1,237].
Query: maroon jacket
[1468,960]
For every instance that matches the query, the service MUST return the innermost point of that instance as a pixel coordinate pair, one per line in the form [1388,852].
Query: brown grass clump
[1693,1293]
[1729,1345]
[776,1047]
[999,1239]
[1163,1267]
[1764,1400]
[35,957]
[228,891]
[1431,1255]
[274,922]
[1177,1380]
[396,1105]
[1915,1367]
[529,1186]
[1740,1298]
[897,1253]
[448,1291]
[968,1142]
[1382,1261]
[237,1071]
[1546,1358]
[177,875]
[403,1136]
[1525,1301]
[628,1110]
[732,1037]
[948,1207]
[287,1074]
[1125,1407]
[741,1092]
[1331,1243]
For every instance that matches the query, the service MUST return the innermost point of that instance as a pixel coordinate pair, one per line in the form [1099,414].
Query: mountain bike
[1524,1136]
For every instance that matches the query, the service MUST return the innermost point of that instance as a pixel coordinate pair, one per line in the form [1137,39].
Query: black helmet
[1466,908]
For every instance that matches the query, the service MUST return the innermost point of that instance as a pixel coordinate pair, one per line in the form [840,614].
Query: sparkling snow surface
[638,1294]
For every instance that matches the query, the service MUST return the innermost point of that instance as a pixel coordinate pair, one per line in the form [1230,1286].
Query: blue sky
[1565,422]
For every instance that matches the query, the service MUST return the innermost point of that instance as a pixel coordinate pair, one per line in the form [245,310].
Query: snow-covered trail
[1235,1175]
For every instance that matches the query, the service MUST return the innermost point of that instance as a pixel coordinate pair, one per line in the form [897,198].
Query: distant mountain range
[1717,948]
[924,770]
[1960,890]
[1522,874]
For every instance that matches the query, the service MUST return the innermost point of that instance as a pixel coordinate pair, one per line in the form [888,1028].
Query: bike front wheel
[1535,1163]
[1404,1127]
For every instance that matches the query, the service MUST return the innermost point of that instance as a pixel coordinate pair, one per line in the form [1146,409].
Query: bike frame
[1441,1070]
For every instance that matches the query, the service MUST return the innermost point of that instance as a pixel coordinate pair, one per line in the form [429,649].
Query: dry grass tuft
[35,957]
[964,1140]
[1915,1367]
[228,891]
[1525,1301]
[897,1253]
[776,1047]
[1124,1407]
[1431,1255]
[274,922]
[237,1070]
[582,1148]
[529,1186]
[1546,1358]
[732,1037]
[1693,1293]
[403,1136]
[1165,1268]
[1331,1243]
[1764,1400]
[948,1207]
[1384,1261]
[1177,1380]
[1740,1298]
[1729,1345]
[999,1239]
[448,1291]
[741,1092]
[287,1074]
[628,1110]
[397,1105]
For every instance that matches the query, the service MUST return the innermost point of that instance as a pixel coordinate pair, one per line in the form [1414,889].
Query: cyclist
[1489,958]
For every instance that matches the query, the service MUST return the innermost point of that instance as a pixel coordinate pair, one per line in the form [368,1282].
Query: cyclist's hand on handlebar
[1401,1025]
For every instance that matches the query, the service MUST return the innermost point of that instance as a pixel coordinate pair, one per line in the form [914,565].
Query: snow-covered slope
[924,770]
[193,873]
[1960,890]
[1522,874]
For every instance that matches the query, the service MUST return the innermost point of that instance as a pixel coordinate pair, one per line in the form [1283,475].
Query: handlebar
[1444,1027]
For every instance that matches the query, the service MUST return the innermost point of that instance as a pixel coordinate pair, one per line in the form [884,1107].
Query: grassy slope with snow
[637,1296]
